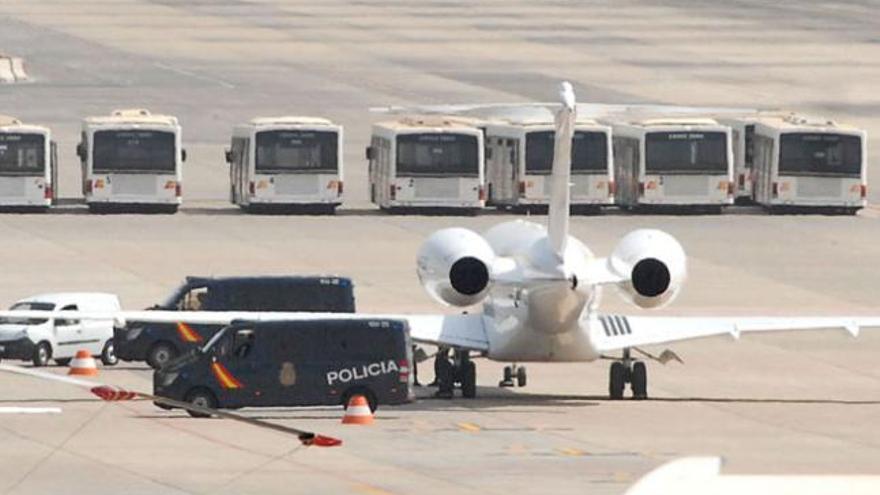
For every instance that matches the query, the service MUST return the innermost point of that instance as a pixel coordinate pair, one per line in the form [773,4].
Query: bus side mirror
[81,151]
[183,155]
[369,153]
[488,153]
[228,154]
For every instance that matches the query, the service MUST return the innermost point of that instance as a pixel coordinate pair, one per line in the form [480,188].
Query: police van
[158,343]
[294,363]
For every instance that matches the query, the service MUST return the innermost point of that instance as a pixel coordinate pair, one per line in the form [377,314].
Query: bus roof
[431,122]
[132,116]
[290,120]
[296,279]
[795,122]
[13,125]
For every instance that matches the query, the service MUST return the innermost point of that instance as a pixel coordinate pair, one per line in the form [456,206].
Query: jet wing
[615,332]
[459,331]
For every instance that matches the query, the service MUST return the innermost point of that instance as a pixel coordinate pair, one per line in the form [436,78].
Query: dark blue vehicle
[294,363]
[158,343]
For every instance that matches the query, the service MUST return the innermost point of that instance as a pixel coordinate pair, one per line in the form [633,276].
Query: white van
[40,340]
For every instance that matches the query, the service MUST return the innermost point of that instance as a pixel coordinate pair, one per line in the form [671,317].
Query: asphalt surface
[788,403]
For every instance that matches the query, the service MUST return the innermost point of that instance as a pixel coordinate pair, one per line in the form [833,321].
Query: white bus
[810,164]
[131,159]
[28,169]
[520,155]
[431,163]
[682,163]
[286,163]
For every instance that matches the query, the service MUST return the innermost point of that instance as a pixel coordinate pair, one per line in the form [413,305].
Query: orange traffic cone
[83,364]
[358,412]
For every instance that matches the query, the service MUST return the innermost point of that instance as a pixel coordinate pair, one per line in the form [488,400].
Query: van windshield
[134,151]
[836,155]
[688,152]
[589,152]
[206,349]
[28,306]
[296,151]
[22,154]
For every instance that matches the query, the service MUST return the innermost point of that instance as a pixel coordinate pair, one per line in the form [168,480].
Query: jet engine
[655,264]
[454,266]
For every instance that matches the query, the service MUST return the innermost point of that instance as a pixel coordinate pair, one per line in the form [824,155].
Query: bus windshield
[22,154]
[296,151]
[134,151]
[686,152]
[437,154]
[820,154]
[28,306]
[589,152]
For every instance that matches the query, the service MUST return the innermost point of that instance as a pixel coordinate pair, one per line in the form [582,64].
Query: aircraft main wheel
[160,354]
[616,380]
[521,376]
[639,381]
[469,380]
[108,355]
[445,379]
[201,397]
[42,354]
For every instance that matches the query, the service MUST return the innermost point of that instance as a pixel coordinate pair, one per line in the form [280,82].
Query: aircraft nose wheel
[514,375]
[629,371]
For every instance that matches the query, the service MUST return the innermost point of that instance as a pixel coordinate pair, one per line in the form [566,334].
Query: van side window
[243,343]
[62,322]
[194,300]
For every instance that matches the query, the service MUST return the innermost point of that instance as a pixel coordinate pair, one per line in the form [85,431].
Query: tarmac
[786,403]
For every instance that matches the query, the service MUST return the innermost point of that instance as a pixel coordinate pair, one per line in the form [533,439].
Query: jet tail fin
[560,174]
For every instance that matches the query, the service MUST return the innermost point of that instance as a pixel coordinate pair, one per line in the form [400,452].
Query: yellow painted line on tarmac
[370,489]
[572,452]
[468,427]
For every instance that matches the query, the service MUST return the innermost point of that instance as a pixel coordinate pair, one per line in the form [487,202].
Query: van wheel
[367,393]
[108,355]
[62,361]
[201,397]
[42,354]
[160,354]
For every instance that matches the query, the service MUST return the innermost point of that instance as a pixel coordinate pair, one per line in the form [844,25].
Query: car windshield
[134,151]
[434,154]
[820,154]
[28,306]
[22,154]
[686,152]
[589,152]
[296,151]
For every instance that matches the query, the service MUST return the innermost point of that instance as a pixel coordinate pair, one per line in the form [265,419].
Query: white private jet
[539,288]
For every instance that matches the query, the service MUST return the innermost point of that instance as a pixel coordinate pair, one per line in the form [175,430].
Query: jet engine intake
[655,264]
[455,266]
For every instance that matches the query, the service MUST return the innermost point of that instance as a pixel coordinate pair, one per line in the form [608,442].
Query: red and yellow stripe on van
[225,378]
[188,334]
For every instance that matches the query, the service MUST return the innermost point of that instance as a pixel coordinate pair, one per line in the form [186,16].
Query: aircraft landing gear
[460,370]
[512,372]
[628,370]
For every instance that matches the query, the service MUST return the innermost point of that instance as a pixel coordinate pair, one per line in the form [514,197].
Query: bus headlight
[133,333]
[168,378]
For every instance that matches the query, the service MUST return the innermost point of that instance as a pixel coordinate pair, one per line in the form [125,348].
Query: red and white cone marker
[83,364]
[358,412]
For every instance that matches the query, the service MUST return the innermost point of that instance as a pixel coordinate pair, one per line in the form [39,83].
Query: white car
[39,340]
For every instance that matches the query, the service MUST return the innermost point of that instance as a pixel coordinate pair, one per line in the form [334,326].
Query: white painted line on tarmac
[30,410]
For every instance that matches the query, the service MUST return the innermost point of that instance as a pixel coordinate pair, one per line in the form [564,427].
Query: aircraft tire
[521,376]
[469,380]
[639,381]
[616,380]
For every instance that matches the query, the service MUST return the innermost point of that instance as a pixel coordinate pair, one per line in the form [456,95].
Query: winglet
[560,176]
